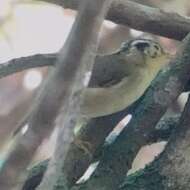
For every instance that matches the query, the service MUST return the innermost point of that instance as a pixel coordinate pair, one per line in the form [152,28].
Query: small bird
[120,78]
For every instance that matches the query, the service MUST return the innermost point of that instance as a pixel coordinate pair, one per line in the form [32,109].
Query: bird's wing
[104,101]
[107,71]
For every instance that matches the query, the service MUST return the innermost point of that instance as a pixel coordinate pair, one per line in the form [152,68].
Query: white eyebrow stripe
[140,41]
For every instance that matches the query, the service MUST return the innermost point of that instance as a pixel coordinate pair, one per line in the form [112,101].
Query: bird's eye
[142,45]
[146,46]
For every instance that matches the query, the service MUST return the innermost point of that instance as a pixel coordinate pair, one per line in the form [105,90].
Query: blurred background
[28,28]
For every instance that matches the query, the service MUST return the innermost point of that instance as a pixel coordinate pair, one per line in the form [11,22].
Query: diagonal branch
[141,17]
[89,19]
[61,88]
[19,64]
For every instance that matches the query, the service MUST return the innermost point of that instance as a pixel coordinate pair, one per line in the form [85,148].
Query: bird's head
[145,52]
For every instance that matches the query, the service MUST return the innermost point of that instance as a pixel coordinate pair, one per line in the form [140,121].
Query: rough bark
[89,19]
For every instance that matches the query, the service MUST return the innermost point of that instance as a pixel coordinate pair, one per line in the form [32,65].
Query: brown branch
[58,87]
[149,19]
[141,17]
[90,17]
[167,86]
[23,63]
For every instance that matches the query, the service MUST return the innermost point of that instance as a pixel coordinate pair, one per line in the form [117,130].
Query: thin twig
[171,168]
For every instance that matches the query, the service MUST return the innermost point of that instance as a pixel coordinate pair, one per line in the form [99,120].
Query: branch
[141,17]
[61,87]
[171,168]
[149,19]
[165,89]
[91,15]
[23,63]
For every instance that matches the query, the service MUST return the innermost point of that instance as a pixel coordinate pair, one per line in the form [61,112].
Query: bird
[118,79]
